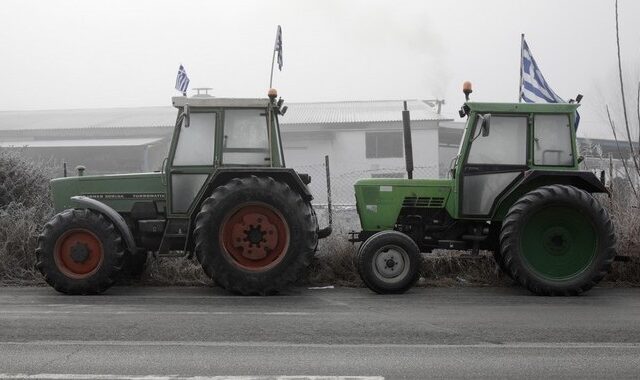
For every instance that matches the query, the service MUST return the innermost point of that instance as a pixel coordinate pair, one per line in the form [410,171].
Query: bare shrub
[626,219]
[24,208]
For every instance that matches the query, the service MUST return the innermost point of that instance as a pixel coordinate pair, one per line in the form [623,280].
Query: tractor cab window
[245,140]
[506,143]
[195,143]
[552,140]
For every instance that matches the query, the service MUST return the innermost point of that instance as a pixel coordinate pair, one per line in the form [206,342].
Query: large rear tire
[79,252]
[255,235]
[557,240]
[389,262]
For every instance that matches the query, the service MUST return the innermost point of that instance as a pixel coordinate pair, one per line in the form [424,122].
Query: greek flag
[182,80]
[533,87]
[278,47]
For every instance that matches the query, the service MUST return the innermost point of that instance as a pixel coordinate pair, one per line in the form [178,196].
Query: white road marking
[508,345]
[128,312]
[73,376]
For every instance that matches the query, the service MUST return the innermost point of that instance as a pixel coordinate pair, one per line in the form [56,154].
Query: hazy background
[88,54]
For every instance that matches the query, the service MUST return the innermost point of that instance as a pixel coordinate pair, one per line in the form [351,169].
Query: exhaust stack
[408,148]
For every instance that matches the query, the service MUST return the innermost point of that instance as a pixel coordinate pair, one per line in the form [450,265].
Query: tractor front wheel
[389,262]
[255,235]
[557,240]
[79,252]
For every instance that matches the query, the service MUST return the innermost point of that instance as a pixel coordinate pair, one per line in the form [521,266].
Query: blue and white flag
[533,87]
[278,47]
[182,80]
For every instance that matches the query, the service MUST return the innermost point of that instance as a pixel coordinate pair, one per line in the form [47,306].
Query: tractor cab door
[191,160]
[245,140]
[494,160]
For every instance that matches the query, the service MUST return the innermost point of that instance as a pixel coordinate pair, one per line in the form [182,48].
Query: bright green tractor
[224,193]
[515,189]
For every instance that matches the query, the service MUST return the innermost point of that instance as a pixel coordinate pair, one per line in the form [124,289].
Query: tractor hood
[119,191]
[379,200]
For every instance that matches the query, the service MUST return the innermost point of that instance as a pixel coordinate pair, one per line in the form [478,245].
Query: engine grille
[423,202]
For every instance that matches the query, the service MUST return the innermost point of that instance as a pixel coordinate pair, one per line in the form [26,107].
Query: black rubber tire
[494,240]
[103,229]
[134,264]
[536,200]
[298,214]
[367,255]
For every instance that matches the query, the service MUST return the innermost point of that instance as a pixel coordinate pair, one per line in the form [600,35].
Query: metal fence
[342,179]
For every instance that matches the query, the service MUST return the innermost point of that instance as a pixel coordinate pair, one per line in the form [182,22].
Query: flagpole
[521,49]
[273,58]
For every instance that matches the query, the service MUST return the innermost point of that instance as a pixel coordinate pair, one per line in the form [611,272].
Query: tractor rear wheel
[389,262]
[255,235]
[557,240]
[79,252]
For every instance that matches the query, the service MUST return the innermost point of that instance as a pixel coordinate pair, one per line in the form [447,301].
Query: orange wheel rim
[255,236]
[78,253]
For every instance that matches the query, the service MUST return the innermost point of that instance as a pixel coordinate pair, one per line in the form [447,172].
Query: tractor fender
[287,175]
[111,214]
[533,179]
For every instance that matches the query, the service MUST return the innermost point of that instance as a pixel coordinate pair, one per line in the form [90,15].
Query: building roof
[298,113]
[68,143]
[357,112]
[88,118]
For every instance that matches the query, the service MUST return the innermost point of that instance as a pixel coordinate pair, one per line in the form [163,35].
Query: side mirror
[486,124]
[186,113]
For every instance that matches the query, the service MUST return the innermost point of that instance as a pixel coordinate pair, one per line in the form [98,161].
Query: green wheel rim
[558,242]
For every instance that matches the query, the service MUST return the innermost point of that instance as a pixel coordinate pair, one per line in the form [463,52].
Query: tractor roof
[524,107]
[210,101]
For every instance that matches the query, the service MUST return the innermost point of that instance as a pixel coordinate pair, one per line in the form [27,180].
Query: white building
[363,139]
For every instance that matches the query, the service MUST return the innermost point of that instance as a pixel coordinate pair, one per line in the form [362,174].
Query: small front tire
[79,252]
[389,262]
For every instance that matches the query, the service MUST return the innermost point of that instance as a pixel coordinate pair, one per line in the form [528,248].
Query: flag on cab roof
[278,47]
[182,80]
[533,87]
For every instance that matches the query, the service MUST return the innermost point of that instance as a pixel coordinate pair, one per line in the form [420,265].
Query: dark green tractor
[224,193]
[515,189]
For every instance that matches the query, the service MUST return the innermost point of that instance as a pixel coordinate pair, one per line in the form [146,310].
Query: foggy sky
[94,54]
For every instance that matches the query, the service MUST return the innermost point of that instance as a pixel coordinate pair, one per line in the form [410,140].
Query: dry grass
[175,271]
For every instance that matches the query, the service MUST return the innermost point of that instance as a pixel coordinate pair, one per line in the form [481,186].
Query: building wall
[305,151]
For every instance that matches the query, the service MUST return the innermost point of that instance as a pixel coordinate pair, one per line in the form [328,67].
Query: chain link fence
[342,179]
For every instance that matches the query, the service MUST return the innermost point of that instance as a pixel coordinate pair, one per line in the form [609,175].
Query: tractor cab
[212,133]
[503,141]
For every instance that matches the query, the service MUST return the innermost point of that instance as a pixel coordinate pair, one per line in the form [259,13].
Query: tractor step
[453,244]
[172,253]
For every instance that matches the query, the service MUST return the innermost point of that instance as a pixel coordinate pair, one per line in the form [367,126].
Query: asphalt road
[426,333]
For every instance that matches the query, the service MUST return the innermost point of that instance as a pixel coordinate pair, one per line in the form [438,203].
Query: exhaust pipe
[408,148]
[325,232]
